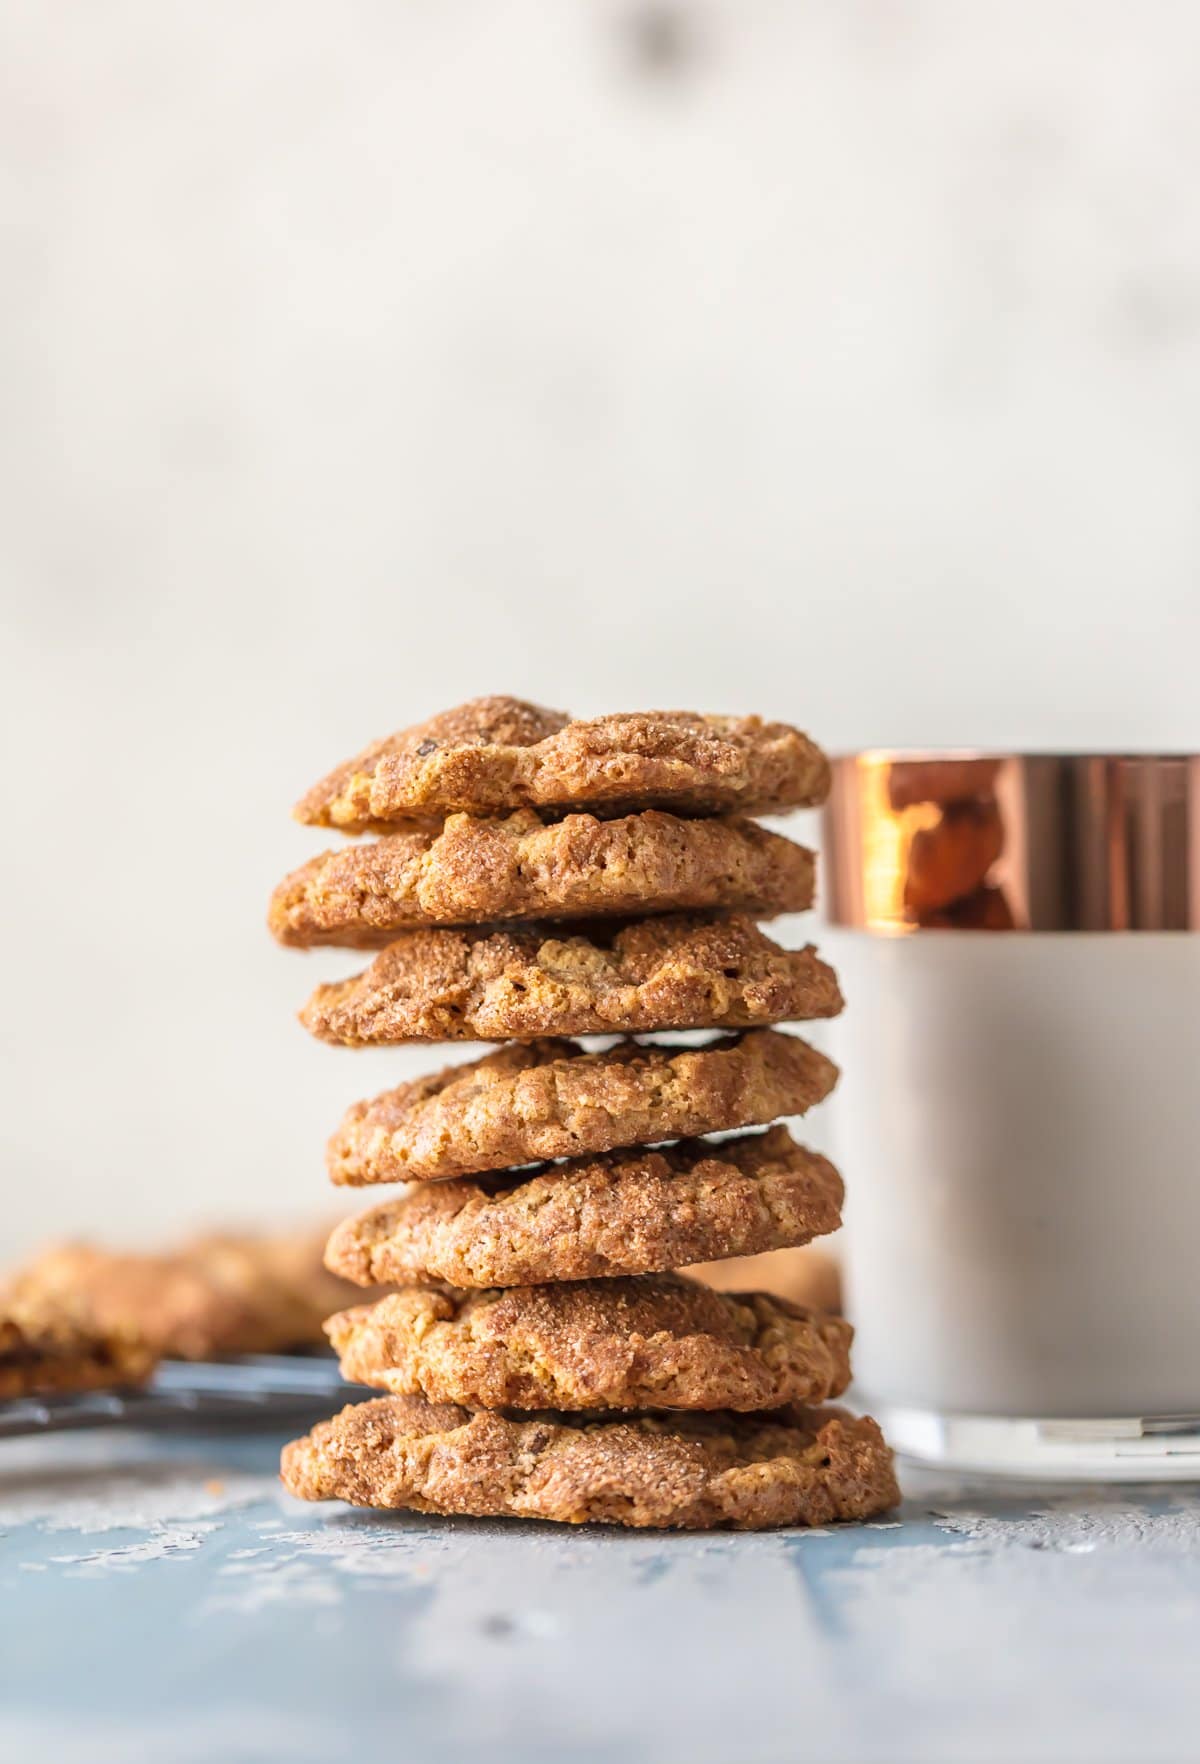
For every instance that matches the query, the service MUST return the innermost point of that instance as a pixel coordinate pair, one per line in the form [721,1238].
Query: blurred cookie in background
[222,1293]
[43,1353]
[809,1276]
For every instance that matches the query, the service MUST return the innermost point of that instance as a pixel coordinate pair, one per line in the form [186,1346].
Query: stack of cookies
[537,879]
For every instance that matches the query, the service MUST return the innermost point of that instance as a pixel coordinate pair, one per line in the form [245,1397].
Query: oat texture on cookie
[527,879]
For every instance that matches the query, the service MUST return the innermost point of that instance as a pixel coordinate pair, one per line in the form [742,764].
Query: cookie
[638,1211]
[44,1353]
[282,1274]
[183,1310]
[693,1472]
[221,1294]
[492,983]
[548,1099]
[657,1342]
[471,871]
[497,754]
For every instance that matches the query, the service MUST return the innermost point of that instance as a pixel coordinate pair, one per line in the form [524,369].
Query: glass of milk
[1018,1119]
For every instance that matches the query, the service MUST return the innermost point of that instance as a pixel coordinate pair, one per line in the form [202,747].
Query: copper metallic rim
[979,841]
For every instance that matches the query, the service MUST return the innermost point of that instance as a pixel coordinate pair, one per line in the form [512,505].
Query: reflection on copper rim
[1086,842]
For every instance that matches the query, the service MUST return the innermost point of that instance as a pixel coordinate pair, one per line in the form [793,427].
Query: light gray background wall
[839,360]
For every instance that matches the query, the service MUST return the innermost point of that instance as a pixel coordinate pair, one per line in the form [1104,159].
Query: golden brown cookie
[548,1099]
[472,871]
[43,1352]
[497,754]
[638,1211]
[221,1294]
[693,1472]
[519,981]
[655,1342]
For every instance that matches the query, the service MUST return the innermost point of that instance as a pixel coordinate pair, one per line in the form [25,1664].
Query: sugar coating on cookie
[473,870]
[488,983]
[638,1211]
[687,1472]
[545,1099]
[496,754]
[658,1341]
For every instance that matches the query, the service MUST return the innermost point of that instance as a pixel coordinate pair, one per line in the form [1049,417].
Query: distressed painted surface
[167,1601]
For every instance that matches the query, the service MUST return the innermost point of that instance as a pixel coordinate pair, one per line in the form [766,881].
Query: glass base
[1162,1448]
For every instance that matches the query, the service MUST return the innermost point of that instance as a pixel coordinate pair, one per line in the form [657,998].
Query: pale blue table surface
[163,1599]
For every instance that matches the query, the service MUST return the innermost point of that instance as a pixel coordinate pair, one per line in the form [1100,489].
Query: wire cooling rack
[253,1387]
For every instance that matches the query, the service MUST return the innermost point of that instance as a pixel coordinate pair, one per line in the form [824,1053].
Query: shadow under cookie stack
[534,880]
